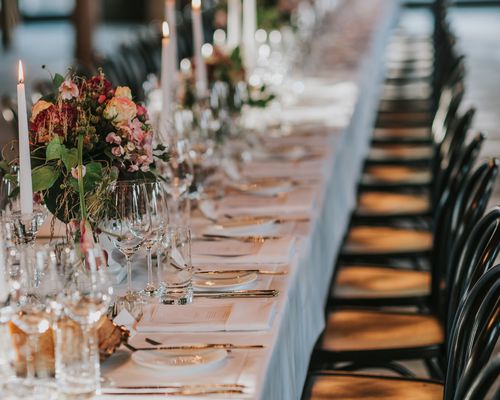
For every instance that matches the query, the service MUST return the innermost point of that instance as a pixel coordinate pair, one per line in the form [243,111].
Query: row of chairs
[416,279]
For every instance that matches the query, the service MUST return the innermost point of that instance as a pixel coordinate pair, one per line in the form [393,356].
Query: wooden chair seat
[362,330]
[362,240]
[409,105]
[396,174]
[411,91]
[398,133]
[387,203]
[353,386]
[400,154]
[368,282]
[404,118]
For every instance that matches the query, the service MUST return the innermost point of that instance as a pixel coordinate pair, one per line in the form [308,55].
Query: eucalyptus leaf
[44,177]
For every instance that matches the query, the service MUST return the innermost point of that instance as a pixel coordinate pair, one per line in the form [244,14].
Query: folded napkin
[256,315]
[272,251]
[299,202]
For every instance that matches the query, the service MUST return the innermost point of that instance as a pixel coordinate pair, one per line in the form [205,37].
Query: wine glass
[85,299]
[158,211]
[178,171]
[37,286]
[127,226]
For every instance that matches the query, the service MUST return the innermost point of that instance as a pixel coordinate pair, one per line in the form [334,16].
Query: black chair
[378,284]
[470,374]
[372,243]
[359,334]
[397,202]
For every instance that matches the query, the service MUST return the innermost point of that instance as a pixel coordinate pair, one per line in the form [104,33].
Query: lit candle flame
[165,29]
[20,73]
[196,4]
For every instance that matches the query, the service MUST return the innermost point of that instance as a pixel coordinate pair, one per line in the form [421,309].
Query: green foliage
[69,158]
[44,177]
[54,149]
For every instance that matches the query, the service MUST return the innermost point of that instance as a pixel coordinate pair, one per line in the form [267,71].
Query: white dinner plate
[220,281]
[179,360]
[243,226]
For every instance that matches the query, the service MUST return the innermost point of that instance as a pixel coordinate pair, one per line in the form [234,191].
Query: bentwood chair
[379,284]
[369,244]
[388,205]
[471,371]
[362,336]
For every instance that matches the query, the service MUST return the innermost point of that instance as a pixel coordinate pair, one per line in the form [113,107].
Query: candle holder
[24,227]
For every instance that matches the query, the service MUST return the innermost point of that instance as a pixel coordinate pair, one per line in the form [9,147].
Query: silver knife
[240,271]
[236,294]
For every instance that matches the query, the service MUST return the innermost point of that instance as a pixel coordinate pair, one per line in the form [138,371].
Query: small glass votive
[175,270]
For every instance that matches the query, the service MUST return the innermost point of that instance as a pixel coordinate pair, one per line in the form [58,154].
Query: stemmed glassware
[178,171]
[37,287]
[128,226]
[158,212]
[85,299]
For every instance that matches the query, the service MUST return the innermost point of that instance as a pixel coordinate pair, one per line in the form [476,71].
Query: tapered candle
[26,188]
[200,67]
[172,23]
[166,75]
[249,28]
[233,23]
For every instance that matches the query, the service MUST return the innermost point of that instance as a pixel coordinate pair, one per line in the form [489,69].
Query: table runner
[336,112]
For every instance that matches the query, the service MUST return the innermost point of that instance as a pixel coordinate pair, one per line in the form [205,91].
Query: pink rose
[133,168]
[113,138]
[117,151]
[68,90]
[141,110]
[136,132]
[101,99]
[120,110]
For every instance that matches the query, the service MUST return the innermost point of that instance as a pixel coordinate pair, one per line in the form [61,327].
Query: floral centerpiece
[84,137]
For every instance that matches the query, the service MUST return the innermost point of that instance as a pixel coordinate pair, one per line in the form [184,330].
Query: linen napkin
[256,315]
[272,251]
[299,202]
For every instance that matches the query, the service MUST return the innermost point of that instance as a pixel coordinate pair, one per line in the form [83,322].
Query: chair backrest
[458,217]
[478,255]
[458,175]
[450,152]
[476,329]
[449,101]
[484,381]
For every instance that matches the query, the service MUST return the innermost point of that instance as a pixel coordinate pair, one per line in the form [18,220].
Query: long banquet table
[333,116]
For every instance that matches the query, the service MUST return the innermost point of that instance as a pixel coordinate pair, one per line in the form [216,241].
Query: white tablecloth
[337,108]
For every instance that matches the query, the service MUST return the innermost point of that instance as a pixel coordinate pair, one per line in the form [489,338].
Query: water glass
[175,267]
[85,299]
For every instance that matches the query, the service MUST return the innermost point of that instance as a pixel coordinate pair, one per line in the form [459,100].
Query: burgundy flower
[98,86]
